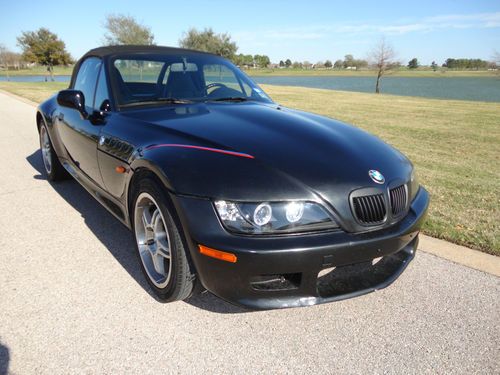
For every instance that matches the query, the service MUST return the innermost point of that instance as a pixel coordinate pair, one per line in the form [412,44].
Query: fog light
[262,214]
[294,211]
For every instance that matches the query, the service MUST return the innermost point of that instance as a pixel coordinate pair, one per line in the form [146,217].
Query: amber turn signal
[120,169]
[217,254]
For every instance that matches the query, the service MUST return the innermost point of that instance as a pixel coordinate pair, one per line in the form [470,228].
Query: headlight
[414,185]
[273,217]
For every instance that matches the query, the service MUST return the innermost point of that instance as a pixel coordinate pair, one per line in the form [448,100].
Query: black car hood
[296,153]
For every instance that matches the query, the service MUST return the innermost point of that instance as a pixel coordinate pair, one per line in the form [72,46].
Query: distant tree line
[461,64]
[258,61]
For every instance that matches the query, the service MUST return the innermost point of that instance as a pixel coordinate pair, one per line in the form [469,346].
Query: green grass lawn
[38,70]
[453,144]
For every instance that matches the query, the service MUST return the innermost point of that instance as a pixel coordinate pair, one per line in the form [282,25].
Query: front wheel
[159,244]
[53,168]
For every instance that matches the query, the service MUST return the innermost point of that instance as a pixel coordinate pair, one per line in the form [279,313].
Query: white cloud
[428,24]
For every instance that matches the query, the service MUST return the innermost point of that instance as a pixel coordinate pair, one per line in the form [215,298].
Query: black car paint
[296,155]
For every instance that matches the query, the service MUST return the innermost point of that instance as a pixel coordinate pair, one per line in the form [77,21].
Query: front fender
[45,112]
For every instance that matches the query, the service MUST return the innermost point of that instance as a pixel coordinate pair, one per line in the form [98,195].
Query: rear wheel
[53,168]
[159,244]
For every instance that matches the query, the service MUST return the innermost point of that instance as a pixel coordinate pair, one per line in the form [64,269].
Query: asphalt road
[72,299]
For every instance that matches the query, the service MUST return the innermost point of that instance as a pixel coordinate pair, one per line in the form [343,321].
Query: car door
[80,135]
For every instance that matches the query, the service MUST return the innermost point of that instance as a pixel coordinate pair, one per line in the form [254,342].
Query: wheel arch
[151,171]
[39,119]
[143,168]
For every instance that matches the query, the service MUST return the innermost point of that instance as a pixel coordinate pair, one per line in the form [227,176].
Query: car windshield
[177,79]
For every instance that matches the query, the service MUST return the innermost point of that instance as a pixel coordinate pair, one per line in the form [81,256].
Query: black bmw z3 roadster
[262,205]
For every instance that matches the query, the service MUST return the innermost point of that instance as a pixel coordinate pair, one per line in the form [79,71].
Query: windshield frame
[200,59]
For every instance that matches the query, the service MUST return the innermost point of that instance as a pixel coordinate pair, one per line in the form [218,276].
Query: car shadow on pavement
[117,238]
[4,359]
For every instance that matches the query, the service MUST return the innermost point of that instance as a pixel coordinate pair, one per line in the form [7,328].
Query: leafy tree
[360,63]
[288,63]
[296,65]
[208,41]
[434,66]
[282,63]
[413,63]
[43,47]
[123,29]
[382,57]
[243,60]
[338,64]
[328,64]
[348,61]
[261,61]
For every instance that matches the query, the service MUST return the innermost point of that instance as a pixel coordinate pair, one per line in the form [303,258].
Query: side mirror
[99,117]
[73,99]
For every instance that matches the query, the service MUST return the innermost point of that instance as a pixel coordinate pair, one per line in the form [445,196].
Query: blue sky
[299,30]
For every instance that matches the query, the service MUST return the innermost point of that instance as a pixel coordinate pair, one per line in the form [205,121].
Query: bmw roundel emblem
[376,176]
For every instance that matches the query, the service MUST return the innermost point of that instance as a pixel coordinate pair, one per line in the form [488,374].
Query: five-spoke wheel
[152,240]
[159,242]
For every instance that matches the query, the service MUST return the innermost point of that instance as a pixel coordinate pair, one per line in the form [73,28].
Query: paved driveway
[72,299]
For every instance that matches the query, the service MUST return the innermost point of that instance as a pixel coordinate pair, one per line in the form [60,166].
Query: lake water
[465,88]
[33,78]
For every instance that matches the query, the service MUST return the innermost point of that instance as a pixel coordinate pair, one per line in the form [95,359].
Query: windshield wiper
[157,101]
[230,99]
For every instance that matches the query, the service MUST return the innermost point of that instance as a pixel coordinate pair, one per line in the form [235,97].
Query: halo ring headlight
[294,211]
[262,214]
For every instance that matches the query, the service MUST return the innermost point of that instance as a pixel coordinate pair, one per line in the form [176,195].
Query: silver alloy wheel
[46,149]
[152,239]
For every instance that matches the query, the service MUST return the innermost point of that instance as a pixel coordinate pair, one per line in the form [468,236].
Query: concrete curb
[24,100]
[461,255]
[443,249]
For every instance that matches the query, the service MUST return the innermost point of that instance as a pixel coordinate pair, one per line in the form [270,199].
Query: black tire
[51,164]
[181,282]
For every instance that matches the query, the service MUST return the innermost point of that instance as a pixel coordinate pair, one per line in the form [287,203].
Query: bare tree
[3,60]
[382,58]
[496,58]
[126,30]
[9,60]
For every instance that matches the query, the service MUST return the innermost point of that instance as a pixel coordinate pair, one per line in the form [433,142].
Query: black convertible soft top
[111,50]
[107,51]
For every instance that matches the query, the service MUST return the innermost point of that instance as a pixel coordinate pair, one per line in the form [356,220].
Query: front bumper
[283,271]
